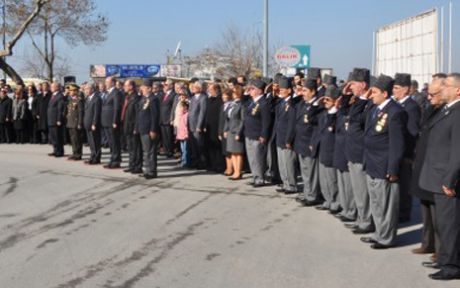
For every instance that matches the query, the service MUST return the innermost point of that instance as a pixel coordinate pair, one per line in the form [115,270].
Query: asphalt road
[64,224]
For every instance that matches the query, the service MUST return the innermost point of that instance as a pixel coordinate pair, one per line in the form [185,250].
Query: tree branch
[9,46]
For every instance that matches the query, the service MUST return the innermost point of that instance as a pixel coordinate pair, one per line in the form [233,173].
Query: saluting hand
[347,89]
[449,192]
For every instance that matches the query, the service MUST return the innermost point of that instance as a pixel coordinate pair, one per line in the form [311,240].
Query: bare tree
[16,31]
[34,66]
[74,21]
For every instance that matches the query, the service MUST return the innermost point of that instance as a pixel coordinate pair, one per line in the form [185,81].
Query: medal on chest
[382,122]
[305,118]
[255,109]
[146,104]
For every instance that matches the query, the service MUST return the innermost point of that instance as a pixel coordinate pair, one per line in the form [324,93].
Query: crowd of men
[361,148]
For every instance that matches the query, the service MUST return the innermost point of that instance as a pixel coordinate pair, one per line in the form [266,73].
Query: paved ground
[65,224]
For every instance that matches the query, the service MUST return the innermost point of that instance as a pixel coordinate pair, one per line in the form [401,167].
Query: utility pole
[4,32]
[265,68]
[449,67]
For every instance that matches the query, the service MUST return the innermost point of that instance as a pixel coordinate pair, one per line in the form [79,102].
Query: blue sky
[339,32]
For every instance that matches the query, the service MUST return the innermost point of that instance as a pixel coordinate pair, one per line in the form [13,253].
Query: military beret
[147,82]
[285,83]
[310,83]
[314,73]
[384,83]
[258,83]
[332,91]
[403,79]
[361,75]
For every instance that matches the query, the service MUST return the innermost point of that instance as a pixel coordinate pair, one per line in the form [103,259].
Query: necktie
[375,113]
[125,105]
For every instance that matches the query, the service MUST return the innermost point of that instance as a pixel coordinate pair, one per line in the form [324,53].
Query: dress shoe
[235,178]
[51,154]
[362,231]
[335,212]
[280,190]
[300,199]
[289,192]
[307,203]
[379,246]
[128,170]
[352,226]
[421,250]
[150,176]
[71,158]
[136,172]
[345,219]
[369,240]
[58,155]
[77,158]
[432,265]
[257,185]
[443,275]
[321,208]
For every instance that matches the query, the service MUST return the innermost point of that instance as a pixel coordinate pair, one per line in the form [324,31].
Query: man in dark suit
[167,97]
[315,73]
[6,117]
[129,116]
[440,174]
[148,127]
[384,137]
[430,236]
[257,130]
[196,125]
[358,86]
[401,93]
[92,122]
[55,118]
[110,120]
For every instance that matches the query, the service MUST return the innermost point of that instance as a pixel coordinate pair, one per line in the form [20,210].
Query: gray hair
[93,85]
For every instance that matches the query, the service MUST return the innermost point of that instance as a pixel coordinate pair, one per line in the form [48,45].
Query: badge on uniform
[146,104]
[305,118]
[255,109]
[346,126]
[330,128]
[381,123]
[287,108]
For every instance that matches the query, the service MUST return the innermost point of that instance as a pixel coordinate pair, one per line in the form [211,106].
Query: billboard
[125,71]
[409,46]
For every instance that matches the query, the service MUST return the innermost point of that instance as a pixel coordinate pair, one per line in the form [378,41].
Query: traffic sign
[296,56]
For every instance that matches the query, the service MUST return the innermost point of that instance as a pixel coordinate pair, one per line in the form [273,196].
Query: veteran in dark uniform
[306,122]
[384,137]
[340,162]
[401,94]
[354,148]
[92,122]
[148,126]
[287,158]
[324,144]
[74,116]
[257,132]
[440,174]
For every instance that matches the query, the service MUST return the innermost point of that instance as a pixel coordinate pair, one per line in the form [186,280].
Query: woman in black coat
[19,116]
[213,146]
[227,98]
